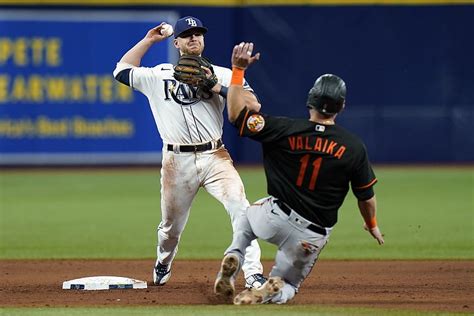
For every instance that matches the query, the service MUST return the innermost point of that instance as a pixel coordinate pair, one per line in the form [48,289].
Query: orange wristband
[237,76]
[372,223]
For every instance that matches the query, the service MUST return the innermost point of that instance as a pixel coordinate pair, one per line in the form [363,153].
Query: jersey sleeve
[139,78]
[363,177]
[259,126]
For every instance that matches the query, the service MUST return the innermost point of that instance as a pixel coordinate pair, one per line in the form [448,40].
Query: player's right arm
[362,181]
[134,56]
[367,210]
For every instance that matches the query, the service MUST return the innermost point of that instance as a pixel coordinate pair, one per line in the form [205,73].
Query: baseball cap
[188,23]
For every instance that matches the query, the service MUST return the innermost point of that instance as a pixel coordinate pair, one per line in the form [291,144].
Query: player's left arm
[250,98]
[237,97]
[251,101]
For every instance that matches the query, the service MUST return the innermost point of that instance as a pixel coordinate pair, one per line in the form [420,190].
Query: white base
[103,283]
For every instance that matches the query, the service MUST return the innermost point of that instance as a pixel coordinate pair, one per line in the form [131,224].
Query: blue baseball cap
[188,23]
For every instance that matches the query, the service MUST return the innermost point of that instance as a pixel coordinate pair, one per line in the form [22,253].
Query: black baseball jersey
[308,165]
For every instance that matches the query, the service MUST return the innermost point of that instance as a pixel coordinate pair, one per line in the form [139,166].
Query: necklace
[326,122]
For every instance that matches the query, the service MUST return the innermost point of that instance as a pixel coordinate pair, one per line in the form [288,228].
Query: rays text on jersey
[318,144]
[182,93]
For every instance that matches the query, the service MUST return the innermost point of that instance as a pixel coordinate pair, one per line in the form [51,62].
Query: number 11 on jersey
[314,175]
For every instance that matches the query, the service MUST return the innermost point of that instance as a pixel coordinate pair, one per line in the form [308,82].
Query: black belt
[287,211]
[196,148]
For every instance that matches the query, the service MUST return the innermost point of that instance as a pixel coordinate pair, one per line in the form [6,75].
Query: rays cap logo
[185,26]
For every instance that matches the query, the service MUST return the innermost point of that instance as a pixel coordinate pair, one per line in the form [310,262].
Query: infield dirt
[416,285]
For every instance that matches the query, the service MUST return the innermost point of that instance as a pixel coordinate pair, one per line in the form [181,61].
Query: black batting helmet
[328,94]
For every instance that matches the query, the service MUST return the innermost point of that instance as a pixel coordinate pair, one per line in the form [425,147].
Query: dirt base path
[417,285]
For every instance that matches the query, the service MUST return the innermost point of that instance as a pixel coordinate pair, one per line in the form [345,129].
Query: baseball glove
[189,70]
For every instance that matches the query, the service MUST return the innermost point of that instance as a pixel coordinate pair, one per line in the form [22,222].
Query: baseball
[166,30]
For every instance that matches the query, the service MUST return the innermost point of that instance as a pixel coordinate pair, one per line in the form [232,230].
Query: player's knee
[235,208]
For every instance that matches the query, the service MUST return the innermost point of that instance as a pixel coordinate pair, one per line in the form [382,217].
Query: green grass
[425,213]
[261,310]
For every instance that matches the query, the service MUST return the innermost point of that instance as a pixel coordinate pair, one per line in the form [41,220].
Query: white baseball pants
[298,247]
[182,174]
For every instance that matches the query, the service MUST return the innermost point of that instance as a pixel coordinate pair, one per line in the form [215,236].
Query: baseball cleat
[161,274]
[224,286]
[262,295]
[255,280]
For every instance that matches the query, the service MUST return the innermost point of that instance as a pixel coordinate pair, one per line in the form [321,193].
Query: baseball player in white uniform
[190,123]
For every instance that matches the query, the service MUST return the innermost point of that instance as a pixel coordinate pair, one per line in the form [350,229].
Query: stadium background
[407,64]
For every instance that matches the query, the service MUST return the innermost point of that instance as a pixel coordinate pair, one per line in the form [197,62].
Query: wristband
[223,92]
[237,76]
[371,223]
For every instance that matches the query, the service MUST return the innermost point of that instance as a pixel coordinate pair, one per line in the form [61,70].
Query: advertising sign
[59,102]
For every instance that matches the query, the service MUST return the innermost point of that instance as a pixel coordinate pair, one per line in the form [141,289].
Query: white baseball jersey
[183,115]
